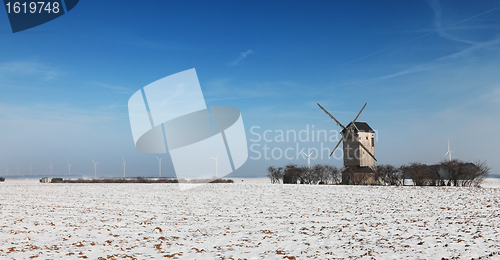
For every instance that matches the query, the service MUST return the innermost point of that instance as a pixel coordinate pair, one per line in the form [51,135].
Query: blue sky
[429,71]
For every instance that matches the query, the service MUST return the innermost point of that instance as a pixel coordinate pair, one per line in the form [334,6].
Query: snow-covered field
[248,219]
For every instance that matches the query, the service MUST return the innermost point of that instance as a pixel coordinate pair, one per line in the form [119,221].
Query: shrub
[56,180]
[222,181]
[2,179]
[388,174]
[318,174]
[275,174]
[461,173]
[291,174]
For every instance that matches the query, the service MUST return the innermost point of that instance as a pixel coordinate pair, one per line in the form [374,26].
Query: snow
[249,219]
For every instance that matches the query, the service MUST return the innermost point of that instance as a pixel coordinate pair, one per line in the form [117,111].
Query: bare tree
[291,174]
[460,173]
[320,175]
[334,174]
[420,174]
[388,174]
[305,175]
[275,174]
[482,171]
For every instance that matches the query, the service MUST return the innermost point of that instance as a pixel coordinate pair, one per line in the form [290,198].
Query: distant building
[45,180]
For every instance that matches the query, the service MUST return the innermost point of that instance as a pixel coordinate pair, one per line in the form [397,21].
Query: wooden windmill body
[354,153]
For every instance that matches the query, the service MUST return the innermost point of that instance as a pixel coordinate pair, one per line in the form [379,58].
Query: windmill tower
[159,166]
[449,151]
[216,165]
[359,149]
[95,168]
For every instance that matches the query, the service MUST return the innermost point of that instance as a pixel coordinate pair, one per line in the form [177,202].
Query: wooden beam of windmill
[343,127]
[373,156]
[346,129]
[359,113]
[335,147]
[350,126]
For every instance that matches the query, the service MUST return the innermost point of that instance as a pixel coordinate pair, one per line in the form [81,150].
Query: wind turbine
[95,168]
[31,169]
[123,167]
[6,171]
[449,152]
[159,165]
[308,159]
[51,168]
[216,164]
[69,168]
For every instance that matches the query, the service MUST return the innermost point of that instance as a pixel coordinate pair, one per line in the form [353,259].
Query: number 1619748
[32,7]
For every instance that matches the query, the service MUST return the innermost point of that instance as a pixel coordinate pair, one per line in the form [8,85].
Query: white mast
[159,165]
[216,165]
[95,168]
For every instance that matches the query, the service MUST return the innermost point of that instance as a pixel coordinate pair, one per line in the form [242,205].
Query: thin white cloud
[241,57]
[439,29]
[478,50]
[50,113]
[119,89]
[27,68]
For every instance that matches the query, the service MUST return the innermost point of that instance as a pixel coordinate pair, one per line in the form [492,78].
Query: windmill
[95,168]
[31,169]
[159,165]
[358,141]
[69,167]
[123,167]
[449,152]
[308,159]
[51,168]
[216,164]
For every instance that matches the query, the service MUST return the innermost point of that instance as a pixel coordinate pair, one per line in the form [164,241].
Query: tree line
[140,180]
[446,173]
[292,173]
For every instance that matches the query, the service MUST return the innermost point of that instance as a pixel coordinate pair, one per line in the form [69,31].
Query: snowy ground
[247,220]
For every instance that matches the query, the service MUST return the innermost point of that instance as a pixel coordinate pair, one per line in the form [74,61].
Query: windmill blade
[366,150]
[359,113]
[335,147]
[331,116]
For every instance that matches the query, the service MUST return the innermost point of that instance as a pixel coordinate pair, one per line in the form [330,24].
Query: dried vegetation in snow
[247,221]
